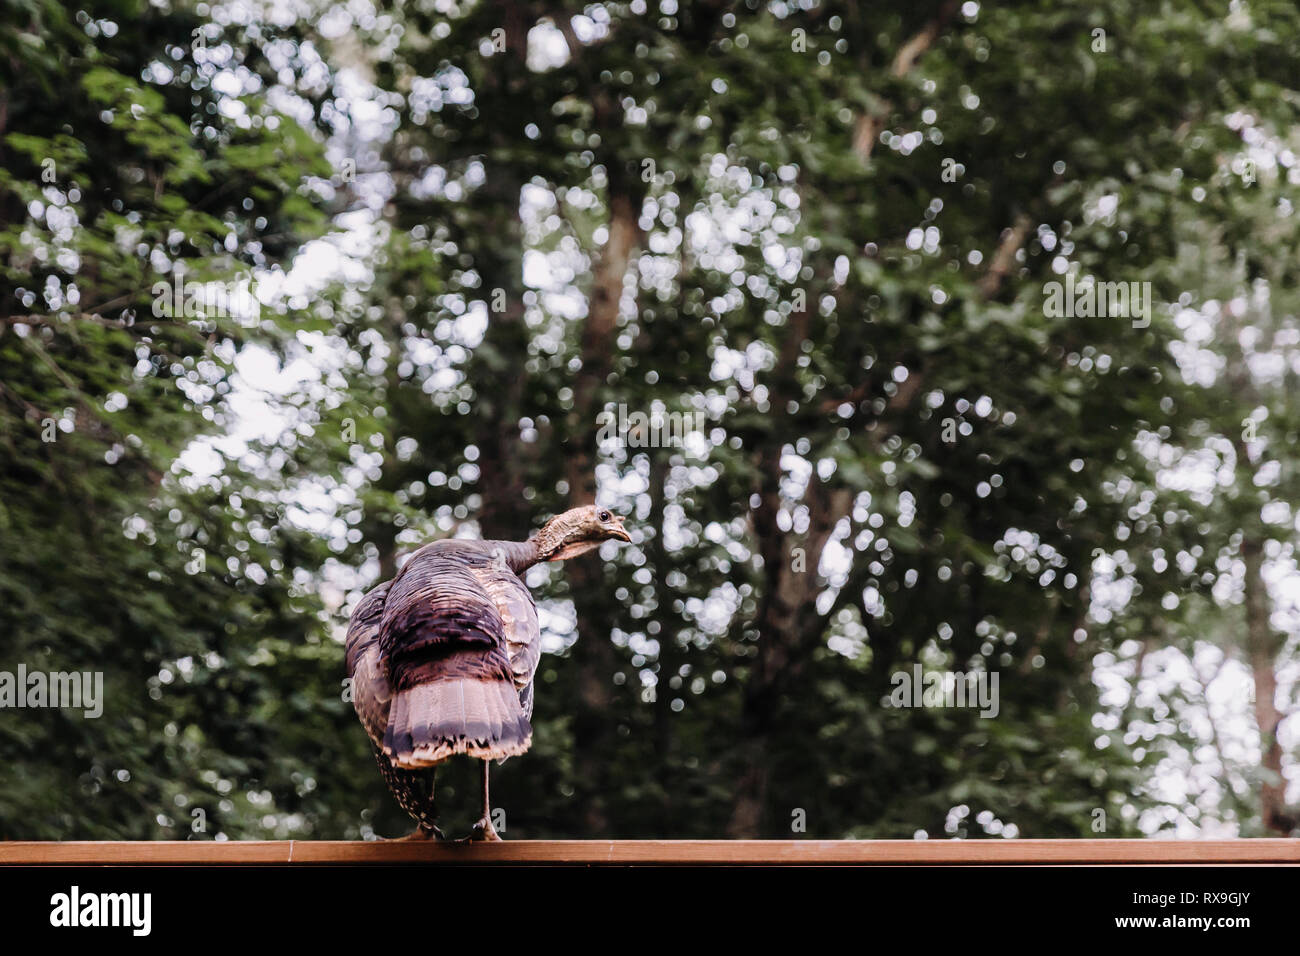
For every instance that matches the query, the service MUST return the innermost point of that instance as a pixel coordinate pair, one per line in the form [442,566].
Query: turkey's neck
[518,555]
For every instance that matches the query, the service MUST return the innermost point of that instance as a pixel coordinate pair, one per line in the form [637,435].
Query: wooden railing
[664,852]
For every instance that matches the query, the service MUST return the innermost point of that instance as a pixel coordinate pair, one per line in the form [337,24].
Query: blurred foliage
[827,229]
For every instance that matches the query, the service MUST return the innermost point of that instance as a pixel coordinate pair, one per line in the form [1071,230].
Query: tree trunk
[670,654]
[592,656]
[499,260]
[1263,645]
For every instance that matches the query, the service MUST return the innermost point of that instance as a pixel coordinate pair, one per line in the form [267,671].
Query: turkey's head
[578,531]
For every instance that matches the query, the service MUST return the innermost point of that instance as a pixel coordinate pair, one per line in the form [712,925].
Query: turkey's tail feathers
[433,721]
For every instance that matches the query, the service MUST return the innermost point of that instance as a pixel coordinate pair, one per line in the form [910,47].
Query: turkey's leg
[483,829]
[414,791]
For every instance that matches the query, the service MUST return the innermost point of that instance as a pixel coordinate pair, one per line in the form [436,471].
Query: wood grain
[664,852]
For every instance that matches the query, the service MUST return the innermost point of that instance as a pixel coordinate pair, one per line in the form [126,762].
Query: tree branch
[868,126]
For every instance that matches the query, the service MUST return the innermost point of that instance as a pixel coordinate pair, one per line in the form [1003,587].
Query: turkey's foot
[421,833]
[483,832]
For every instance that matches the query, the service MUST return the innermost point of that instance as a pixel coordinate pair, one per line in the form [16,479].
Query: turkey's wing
[371,692]
[514,603]
[439,623]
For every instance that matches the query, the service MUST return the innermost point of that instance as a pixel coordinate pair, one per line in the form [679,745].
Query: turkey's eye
[603,516]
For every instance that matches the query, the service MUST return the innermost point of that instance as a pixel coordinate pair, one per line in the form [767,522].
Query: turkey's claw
[484,832]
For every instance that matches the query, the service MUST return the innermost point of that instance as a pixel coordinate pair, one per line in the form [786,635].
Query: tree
[921,279]
[756,216]
[140,153]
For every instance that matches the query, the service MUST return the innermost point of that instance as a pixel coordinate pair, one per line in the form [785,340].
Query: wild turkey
[442,656]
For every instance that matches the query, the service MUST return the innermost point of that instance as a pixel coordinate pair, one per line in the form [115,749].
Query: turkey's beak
[620,533]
